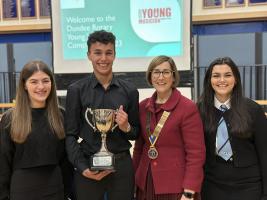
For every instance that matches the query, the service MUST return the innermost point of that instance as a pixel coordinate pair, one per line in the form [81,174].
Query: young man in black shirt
[102,90]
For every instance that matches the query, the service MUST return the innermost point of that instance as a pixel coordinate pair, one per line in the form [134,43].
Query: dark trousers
[117,186]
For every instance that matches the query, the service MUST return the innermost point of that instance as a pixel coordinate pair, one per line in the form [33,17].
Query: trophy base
[102,161]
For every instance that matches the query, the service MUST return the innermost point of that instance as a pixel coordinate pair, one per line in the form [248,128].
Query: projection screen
[143,28]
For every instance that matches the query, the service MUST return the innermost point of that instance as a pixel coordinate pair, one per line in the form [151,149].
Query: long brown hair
[21,121]
[239,116]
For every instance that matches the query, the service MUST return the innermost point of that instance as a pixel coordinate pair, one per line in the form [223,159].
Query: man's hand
[122,119]
[96,175]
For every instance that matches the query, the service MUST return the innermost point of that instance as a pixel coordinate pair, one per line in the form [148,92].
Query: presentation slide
[143,29]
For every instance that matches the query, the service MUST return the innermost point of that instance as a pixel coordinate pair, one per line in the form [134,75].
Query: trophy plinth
[103,121]
[102,160]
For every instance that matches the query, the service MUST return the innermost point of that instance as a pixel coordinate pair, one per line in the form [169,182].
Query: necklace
[163,100]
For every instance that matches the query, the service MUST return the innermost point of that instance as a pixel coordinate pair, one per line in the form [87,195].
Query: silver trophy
[103,121]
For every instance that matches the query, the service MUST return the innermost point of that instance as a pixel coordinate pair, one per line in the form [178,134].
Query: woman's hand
[188,198]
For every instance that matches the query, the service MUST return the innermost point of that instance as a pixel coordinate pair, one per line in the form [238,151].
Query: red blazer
[180,146]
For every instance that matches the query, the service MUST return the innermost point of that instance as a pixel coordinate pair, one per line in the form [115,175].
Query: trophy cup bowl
[103,121]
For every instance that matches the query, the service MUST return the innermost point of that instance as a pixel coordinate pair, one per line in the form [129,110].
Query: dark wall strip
[138,78]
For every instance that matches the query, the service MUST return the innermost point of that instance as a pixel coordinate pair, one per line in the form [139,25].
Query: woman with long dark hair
[235,137]
[32,155]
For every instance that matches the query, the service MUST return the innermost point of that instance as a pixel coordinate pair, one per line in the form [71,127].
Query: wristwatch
[188,195]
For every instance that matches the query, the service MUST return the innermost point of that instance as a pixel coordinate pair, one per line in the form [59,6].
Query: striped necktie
[223,146]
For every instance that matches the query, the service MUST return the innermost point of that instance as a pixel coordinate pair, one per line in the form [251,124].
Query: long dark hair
[21,115]
[239,117]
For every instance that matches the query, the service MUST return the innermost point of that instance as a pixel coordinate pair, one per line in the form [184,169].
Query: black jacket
[249,151]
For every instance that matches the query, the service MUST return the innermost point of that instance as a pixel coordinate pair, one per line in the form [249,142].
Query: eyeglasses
[165,73]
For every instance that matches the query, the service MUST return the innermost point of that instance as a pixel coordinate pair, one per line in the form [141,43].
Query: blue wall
[264,47]
[230,28]
[241,47]
[3,56]
[23,52]
[25,37]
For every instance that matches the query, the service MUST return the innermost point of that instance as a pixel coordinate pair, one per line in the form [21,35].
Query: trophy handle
[112,129]
[88,121]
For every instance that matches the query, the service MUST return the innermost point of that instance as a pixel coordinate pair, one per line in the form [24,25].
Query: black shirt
[89,93]
[41,148]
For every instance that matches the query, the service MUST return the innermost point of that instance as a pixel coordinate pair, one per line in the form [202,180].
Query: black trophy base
[102,162]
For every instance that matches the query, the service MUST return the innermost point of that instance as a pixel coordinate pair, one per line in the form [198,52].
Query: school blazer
[246,151]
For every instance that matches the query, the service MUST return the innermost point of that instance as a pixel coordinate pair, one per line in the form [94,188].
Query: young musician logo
[151,19]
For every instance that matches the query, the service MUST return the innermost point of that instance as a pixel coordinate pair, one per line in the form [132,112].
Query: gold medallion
[152,153]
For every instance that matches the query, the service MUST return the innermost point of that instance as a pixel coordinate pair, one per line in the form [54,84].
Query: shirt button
[155,163]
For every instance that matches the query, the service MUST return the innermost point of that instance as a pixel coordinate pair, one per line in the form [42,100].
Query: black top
[89,93]
[41,148]
[248,153]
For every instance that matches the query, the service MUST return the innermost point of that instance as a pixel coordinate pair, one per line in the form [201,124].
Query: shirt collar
[218,104]
[95,82]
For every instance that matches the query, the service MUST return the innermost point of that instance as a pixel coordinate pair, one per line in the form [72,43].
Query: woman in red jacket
[169,154]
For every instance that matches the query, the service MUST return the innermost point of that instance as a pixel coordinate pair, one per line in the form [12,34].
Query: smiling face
[162,78]
[222,81]
[38,87]
[102,57]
